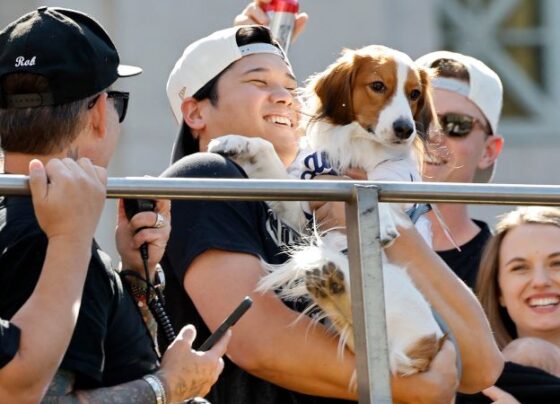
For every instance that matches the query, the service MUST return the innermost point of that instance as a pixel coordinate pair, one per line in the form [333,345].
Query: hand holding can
[282,15]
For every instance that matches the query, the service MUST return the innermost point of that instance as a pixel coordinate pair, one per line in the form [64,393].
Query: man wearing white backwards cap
[238,81]
[468,100]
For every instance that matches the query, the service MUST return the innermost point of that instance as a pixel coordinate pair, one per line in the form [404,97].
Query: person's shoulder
[204,165]
[19,226]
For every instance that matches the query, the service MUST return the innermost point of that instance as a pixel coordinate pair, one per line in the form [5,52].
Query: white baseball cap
[484,89]
[201,62]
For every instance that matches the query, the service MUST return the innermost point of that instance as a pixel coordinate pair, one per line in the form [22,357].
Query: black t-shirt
[248,227]
[110,344]
[9,341]
[527,384]
[465,262]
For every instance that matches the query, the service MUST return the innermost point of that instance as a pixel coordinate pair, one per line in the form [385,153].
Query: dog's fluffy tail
[288,279]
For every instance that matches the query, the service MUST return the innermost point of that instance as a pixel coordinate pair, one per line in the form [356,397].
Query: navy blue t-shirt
[110,344]
[465,263]
[9,341]
[529,385]
[239,226]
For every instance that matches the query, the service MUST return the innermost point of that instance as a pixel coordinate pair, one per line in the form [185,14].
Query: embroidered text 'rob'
[21,61]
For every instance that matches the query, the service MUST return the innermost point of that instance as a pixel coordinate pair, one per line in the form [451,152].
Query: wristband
[157,387]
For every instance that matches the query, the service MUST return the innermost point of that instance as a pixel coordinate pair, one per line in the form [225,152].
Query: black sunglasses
[459,125]
[120,101]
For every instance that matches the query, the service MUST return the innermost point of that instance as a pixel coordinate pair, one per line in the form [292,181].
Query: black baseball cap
[70,49]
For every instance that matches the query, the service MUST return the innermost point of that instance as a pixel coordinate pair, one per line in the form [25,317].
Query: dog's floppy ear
[425,112]
[333,87]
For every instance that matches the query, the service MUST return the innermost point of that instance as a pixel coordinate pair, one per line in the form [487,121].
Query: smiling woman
[519,279]
[519,288]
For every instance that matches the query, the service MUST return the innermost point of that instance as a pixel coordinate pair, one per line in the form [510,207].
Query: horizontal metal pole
[241,189]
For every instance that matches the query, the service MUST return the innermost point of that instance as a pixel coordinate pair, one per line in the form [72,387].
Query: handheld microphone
[134,206]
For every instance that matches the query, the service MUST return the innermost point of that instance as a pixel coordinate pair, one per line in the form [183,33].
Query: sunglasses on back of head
[459,125]
[120,101]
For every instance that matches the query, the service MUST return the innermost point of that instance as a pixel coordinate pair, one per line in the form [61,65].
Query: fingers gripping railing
[361,199]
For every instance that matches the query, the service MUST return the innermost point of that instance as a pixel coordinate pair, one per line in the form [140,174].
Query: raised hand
[68,197]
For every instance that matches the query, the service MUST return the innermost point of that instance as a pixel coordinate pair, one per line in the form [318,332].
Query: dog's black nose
[403,128]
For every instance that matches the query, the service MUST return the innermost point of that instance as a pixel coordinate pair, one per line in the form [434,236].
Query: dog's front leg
[255,155]
[387,224]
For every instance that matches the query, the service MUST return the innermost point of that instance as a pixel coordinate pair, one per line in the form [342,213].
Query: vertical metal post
[368,303]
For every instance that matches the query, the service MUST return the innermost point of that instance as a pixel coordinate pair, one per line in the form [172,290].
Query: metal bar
[227,189]
[368,302]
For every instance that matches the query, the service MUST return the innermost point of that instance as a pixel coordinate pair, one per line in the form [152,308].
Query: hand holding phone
[228,322]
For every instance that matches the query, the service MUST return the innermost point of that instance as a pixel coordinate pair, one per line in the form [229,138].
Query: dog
[364,111]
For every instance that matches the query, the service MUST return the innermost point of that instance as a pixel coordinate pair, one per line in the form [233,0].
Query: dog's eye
[415,94]
[378,86]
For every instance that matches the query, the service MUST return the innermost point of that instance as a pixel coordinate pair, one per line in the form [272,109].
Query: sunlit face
[100,149]
[529,278]
[113,132]
[256,99]
[456,159]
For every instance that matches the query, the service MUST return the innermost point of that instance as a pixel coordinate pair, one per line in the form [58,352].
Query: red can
[282,14]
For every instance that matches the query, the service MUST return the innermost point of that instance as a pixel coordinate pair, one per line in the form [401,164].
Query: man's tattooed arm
[61,390]
[137,288]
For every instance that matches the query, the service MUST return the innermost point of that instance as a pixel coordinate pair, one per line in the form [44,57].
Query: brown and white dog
[365,111]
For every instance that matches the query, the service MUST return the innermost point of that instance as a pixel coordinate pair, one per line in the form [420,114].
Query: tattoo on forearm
[61,392]
[137,288]
[195,386]
[60,388]
[150,323]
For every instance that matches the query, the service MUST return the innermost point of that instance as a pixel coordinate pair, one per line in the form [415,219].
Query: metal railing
[361,197]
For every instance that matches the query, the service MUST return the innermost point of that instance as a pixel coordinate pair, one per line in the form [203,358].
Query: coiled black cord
[162,319]
[155,302]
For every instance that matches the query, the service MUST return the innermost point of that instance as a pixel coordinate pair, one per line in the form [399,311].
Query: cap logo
[21,61]
[182,92]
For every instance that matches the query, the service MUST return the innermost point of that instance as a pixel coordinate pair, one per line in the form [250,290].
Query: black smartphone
[228,322]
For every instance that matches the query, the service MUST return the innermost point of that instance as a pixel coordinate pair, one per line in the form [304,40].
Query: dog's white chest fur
[352,146]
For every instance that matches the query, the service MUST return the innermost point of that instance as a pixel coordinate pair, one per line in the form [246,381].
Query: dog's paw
[387,225]
[329,289]
[387,236]
[417,357]
[239,147]
[325,281]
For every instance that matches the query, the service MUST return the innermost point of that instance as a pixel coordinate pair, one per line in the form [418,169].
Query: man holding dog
[238,81]
[56,102]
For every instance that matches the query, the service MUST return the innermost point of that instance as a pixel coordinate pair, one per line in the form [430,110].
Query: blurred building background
[518,38]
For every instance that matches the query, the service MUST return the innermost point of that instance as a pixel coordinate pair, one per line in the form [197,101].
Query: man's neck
[18,163]
[457,219]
